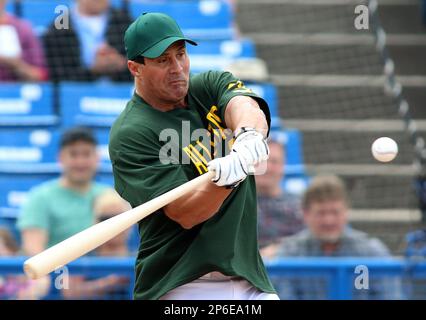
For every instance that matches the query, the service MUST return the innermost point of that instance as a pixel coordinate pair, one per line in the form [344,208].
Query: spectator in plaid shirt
[325,209]
[279,213]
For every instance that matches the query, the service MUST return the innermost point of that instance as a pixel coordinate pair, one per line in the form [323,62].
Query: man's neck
[161,105]
[79,187]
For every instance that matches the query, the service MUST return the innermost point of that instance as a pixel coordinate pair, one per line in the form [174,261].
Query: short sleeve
[225,86]
[34,213]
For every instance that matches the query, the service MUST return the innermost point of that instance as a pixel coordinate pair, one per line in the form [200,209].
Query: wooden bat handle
[94,236]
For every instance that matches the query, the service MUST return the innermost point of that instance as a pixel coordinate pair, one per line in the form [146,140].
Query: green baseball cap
[151,34]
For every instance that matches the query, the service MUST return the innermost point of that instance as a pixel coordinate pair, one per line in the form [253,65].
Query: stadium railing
[340,273]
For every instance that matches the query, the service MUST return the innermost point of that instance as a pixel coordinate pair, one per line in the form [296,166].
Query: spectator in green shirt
[59,208]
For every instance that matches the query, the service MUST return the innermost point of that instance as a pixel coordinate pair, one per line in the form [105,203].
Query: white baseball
[384,149]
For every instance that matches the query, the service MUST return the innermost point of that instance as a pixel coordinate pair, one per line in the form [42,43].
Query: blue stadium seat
[14,191]
[41,13]
[34,151]
[102,135]
[296,184]
[268,92]
[10,7]
[28,150]
[217,55]
[26,105]
[92,104]
[295,179]
[292,139]
[206,19]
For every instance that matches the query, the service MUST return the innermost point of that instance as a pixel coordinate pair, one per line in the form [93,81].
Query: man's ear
[133,68]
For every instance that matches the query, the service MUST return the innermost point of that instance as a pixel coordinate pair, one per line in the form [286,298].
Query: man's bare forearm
[197,207]
[244,111]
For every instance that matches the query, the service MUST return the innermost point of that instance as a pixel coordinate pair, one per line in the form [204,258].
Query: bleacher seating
[34,151]
[268,92]
[10,7]
[206,19]
[27,105]
[217,55]
[13,192]
[295,178]
[92,104]
[99,104]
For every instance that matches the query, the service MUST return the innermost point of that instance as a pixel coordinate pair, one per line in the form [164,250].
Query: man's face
[79,161]
[166,78]
[327,219]
[94,7]
[275,168]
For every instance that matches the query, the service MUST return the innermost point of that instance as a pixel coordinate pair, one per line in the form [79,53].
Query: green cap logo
[151,34]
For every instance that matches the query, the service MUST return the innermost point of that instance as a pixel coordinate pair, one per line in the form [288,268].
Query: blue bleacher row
[210,22]
[198,19]
[28,158]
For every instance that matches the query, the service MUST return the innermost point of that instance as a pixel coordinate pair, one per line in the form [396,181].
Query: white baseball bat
[94,236]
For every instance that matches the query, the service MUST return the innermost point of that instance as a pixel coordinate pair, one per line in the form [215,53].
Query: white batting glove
[230,171]
[251,145]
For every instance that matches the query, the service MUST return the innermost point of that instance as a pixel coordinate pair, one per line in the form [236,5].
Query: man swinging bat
[202,245]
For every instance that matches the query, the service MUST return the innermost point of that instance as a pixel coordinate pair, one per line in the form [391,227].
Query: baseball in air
[384,149]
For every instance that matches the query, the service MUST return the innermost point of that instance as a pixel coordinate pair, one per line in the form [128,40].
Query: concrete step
[416,98]
[294,17]
[409,60]
[321,59]
[335,103]
[402,18]
[353,59]
[310,102]
[328,147]
[324,16]
[381,192]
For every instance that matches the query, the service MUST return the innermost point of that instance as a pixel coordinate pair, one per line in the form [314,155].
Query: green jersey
[169,255]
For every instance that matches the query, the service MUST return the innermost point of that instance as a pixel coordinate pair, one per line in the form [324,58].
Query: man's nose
[176,66]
